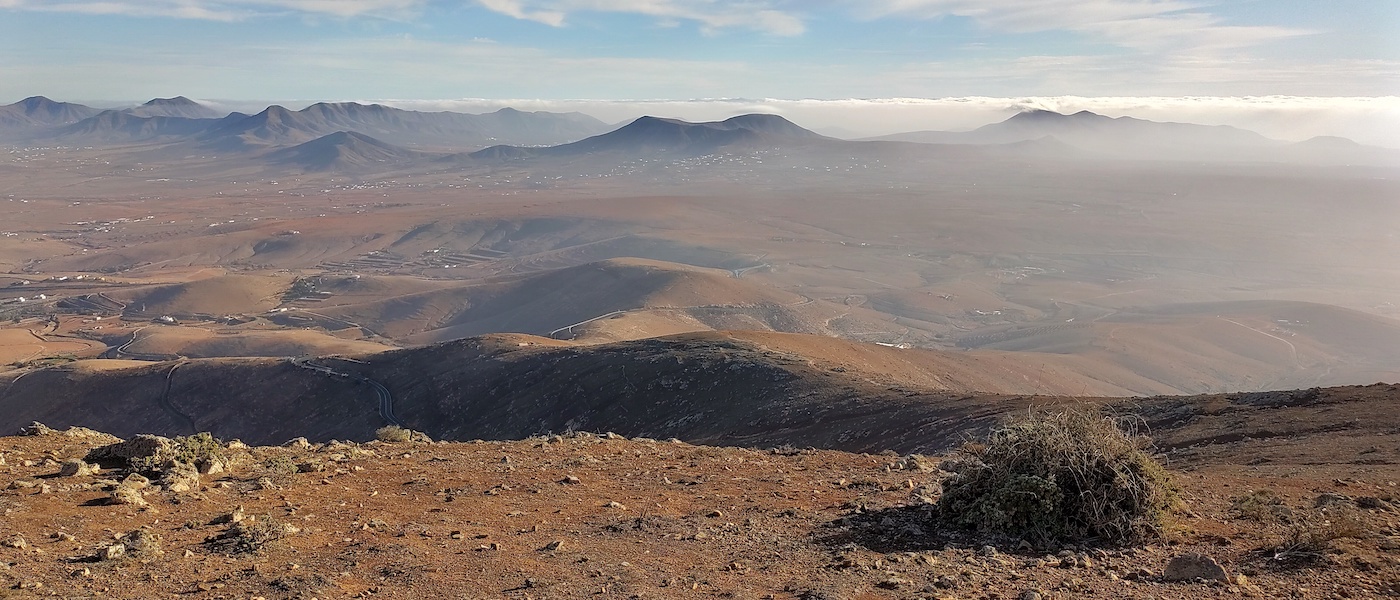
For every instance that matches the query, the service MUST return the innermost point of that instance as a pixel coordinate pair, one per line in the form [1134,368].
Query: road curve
[386,399]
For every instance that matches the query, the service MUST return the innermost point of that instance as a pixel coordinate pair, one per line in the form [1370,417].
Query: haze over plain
[1101,198]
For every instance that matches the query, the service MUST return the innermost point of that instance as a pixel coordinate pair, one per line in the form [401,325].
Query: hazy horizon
[1367,120]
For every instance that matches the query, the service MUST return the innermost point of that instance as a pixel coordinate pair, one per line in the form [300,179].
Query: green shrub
[1057,476]
[199,449]
[279,468]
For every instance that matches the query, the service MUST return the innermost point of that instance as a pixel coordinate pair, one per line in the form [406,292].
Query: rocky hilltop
[584,515]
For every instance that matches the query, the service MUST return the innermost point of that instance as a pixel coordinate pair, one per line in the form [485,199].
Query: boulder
[77,468]
[1190,567]
[143,447]
[36,428]
[180,477]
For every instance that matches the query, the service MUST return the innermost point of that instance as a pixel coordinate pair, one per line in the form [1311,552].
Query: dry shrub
[252,534]
[393,433]
[1060,475]
[1315,533]
[1260,506]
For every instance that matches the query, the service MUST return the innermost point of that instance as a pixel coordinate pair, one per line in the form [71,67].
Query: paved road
[170,408]
[386,399]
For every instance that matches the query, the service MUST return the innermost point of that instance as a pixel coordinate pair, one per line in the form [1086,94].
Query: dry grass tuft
[1315,533]
[1260,506]
[393,433]
[1060,475]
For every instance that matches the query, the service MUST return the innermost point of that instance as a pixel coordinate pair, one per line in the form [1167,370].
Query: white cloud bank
[1374,121]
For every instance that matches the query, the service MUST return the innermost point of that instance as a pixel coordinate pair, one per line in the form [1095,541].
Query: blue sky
[627,49]
[1289,68]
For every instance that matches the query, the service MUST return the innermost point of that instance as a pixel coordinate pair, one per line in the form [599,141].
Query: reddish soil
[481,520]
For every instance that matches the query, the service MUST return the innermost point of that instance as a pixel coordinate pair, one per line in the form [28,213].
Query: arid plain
[1089,276]
[747,285]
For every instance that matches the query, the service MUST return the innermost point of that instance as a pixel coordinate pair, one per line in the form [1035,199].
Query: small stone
[113,552]
[64,536]
[553,546]
[571,480]
[892,583]
[616,505]
[1031,595]
[1140,574]
[1331,499]
[136,480]
[1189,567]
[17,542]
[297,444]
[715,514]
[235,516]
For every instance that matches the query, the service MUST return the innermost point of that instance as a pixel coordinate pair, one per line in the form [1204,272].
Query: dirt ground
[599,516]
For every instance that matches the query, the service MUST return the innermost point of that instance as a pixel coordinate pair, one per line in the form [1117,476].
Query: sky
[867,66]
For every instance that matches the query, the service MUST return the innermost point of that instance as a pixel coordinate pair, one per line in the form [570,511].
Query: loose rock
[1189,567]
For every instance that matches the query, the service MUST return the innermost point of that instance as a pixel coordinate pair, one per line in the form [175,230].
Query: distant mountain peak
[33,102]
[176,101]
[1044,115]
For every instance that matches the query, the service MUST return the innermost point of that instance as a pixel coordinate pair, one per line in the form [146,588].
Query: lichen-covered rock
[180,477]
[78,468]
[113,552]
[142,543]
[91,435]
[150,448]
[36,428]
[128,492]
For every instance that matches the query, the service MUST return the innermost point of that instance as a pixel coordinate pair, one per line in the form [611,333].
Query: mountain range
[349,137]
[181,120]
[1133,138]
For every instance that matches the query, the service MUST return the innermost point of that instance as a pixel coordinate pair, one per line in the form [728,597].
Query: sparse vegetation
[393,433]
[1060,475]
[253,534]
[199,449]
[278,469]
[1315,533]
[1260,506]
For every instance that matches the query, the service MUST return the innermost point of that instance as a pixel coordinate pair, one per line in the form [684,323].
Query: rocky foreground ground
[588,516]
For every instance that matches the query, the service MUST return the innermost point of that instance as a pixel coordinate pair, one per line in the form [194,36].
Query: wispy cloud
[221,10]
[711,15]
[1141,24]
